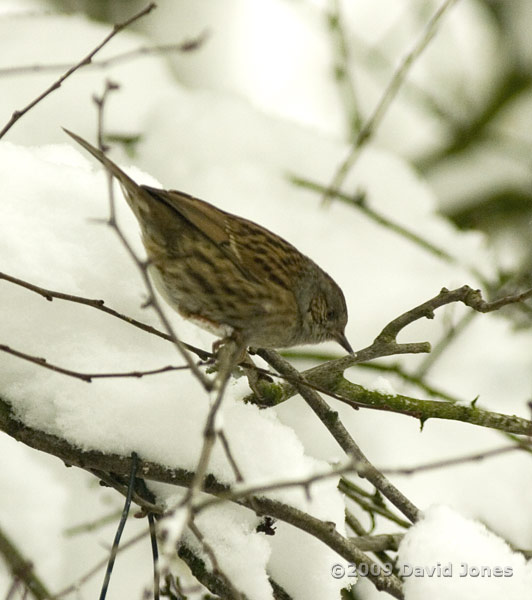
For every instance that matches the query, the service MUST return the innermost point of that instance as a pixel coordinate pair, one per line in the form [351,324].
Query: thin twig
[239,492]
[465,294]
[331,421]
[374,58]
[100,101]
[460,460]
[142,265]
[385,343]
[28,14]
[387,97]
[360,202]
[227,449]
[328,534]
[228,356]
[84,61]
[21,569]
[93,525]
[444,343]
[155,556]
[235,594]
[414,379]
[377,543]
[329,377]
[98,304]
[121,525]
[368,503]
[186,46]
[341,70]
[87,377]
[393,368]
[74,587]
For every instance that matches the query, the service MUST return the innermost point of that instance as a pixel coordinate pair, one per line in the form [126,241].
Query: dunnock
[230,275]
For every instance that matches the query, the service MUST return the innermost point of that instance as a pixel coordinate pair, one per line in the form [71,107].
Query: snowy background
[229,123]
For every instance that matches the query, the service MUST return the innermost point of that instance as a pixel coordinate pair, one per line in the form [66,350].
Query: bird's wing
[255,251]
[204,216]
[212,222]
[258,253]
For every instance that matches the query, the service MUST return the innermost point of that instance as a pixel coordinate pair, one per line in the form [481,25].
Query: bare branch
[188,45]
[450,335]
[327,533]
[228,357]
[377,543]
[98,305]
[241,491]
[335,427]
[342,76]
[328,378]
[120,465]
[359,201]
[74,587]
[369,503]
[217,570]
[83,62]
[465,294]
[387,97]
[385,343]
[142,265]
[228,452]
[22,569]
[460,460]
[87,377]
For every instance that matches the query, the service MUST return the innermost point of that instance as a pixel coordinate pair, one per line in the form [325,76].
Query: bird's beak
[342,340]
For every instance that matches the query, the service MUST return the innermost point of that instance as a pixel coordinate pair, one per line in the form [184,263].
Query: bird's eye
[331,314]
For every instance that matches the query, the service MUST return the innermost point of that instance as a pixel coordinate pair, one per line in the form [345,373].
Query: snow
[56,243]
[23,500]
[467,560]
[213,141]
[241,552]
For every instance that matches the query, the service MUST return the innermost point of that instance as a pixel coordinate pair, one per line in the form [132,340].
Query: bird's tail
[126,181]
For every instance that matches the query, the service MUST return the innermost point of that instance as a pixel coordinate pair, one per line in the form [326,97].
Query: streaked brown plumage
[229,274]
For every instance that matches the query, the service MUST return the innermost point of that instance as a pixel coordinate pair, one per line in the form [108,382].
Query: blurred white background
[278,88]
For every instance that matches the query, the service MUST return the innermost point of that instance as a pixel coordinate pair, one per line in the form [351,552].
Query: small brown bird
[230,275]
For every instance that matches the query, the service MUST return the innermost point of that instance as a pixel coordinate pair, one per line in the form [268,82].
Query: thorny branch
[329,377]
[326,378]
